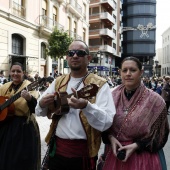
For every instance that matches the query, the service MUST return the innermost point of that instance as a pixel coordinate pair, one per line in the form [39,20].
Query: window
[18,8]
[54,15]
[19,2]
[68,25]
[17,44]
[75,29]
[44,7]
[43,51]
[84,34]
[84,11]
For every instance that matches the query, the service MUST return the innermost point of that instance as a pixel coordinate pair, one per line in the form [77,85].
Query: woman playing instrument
[140,127]
[19,131]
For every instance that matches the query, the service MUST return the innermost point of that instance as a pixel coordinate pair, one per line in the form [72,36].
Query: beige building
[25,26]
[104,34]
[165,60]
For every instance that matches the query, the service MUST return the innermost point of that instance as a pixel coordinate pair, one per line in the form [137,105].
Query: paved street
[44,125]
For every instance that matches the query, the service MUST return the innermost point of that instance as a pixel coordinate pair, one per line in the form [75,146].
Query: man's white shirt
[99,114]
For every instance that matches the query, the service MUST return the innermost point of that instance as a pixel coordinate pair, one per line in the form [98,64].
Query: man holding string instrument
[78,132]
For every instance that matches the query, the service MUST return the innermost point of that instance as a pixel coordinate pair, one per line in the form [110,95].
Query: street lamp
[100,57]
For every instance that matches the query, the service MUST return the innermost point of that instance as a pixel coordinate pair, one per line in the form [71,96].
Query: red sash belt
[71,148]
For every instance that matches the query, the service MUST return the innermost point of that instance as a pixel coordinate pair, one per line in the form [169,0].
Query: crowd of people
[131,119]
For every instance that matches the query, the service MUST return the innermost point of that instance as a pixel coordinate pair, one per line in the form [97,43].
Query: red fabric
[143,161]
[71,148]
[75,148]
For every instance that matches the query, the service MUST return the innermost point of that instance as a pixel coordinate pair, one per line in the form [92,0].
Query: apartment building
[104,34]
[165,59]
[25,26]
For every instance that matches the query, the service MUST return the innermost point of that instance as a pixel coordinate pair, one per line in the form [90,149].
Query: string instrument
[61,104]
[6,104]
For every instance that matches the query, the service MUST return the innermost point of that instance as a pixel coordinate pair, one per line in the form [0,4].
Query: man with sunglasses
[78,132]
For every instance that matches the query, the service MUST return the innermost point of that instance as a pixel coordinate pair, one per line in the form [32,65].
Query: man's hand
[75,102]
[47,100]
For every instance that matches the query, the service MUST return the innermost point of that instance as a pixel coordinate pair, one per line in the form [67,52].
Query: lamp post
[100,57]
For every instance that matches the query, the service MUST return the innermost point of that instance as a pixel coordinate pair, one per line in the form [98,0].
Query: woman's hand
[115,144]
[26,95]
[129,149]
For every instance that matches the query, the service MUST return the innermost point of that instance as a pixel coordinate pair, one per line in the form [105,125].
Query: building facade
[25,26]
[104,34]
[165,60]
[139,31]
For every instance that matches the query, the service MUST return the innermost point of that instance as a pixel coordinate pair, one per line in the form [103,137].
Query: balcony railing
[74,35]
[104,31]
[104,15]
[18,10]
[76,6]
[110,2]
[49,23]
[104,48]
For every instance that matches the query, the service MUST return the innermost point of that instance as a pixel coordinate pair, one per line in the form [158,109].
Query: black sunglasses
[79,53]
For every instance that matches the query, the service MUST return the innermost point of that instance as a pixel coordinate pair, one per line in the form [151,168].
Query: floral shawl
[147,120]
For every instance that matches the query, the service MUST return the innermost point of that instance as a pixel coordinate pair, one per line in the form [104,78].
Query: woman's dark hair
[139,64]
[18,64]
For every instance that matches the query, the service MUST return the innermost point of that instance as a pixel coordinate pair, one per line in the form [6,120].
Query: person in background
[55,73]
[50,78]
[159,88]
[37,77]
[78,133]
[166,92]
[19,131]
[3,80]
[140,127]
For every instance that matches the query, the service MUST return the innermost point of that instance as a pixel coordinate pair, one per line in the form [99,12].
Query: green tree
[59,42]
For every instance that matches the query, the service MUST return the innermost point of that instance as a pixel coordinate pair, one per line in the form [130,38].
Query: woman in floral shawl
[140,127]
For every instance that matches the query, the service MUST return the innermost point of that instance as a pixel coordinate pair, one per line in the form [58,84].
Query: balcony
[102,32]
[74,35]
[18,10]
[107,18]
[104,48]
[120,5]
[74,8]
[107,32]
[108,4]
[47,24]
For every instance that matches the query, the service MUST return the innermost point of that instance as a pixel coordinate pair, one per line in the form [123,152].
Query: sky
[162,20]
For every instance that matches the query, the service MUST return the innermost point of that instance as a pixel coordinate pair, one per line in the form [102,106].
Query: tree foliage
[59,42]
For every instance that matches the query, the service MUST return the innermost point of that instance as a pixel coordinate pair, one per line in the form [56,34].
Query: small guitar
[61,104]
[6,105]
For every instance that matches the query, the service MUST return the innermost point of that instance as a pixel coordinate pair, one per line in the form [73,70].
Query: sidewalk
[44,124]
